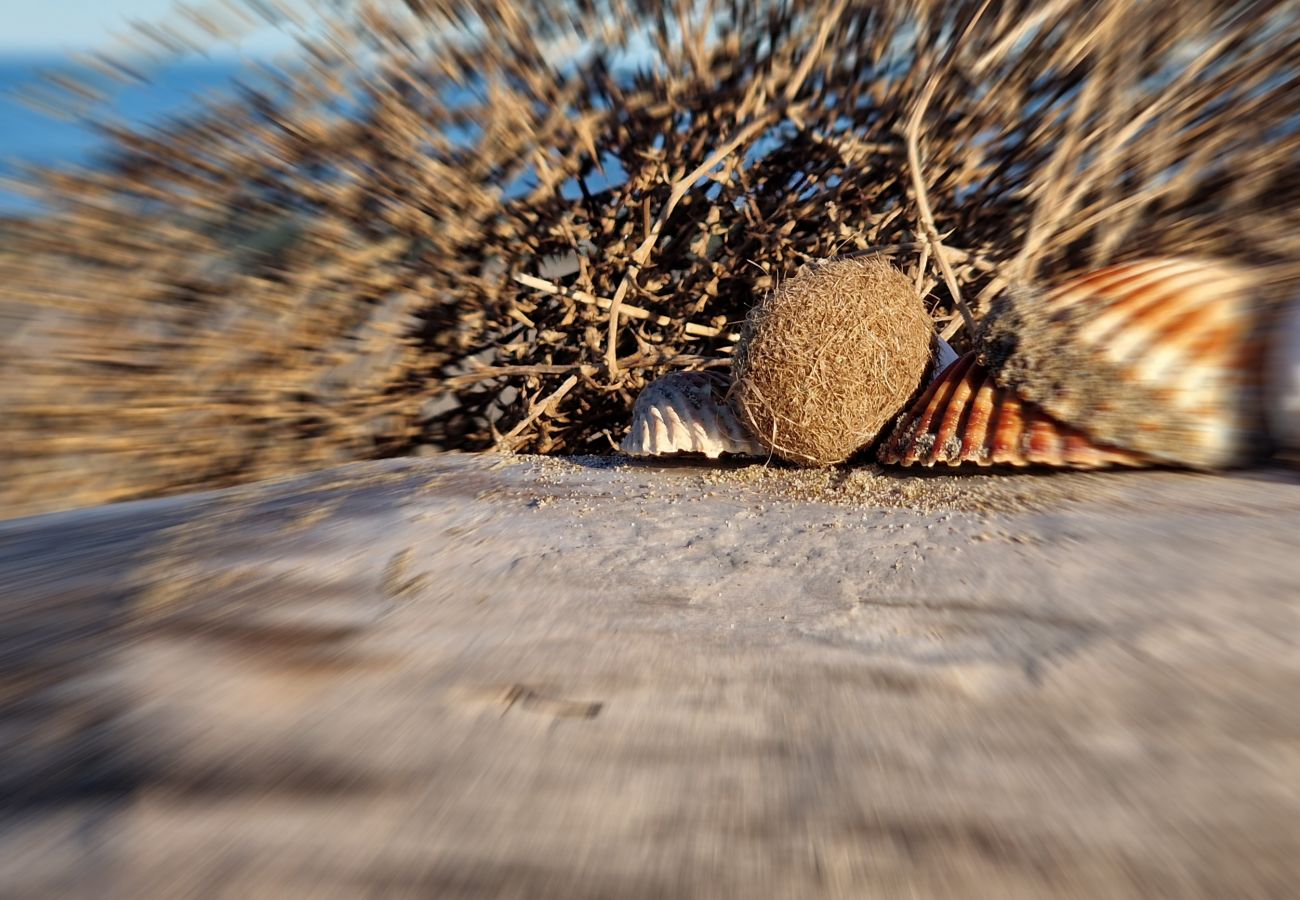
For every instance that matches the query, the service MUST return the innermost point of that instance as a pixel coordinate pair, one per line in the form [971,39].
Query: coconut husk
[830,357]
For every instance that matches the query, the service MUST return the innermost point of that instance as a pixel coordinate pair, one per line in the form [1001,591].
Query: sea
[29,135]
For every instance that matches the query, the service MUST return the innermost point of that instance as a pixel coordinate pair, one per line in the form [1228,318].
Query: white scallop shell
[684,412]
[1284,380]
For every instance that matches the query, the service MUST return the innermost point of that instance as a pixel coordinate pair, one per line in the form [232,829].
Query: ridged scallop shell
[964,416]
[1157,356]
[684,412]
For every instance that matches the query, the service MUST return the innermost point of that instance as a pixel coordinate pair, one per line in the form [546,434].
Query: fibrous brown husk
[830,357]
[465,224]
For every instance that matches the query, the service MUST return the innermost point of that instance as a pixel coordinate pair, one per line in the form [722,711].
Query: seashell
[1284,380]
[684,412]
[1156,356]
[964,416]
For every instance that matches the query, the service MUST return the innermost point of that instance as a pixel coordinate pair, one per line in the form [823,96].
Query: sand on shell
[518,677]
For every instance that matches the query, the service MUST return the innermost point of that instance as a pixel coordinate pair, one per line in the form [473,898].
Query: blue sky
[36,27]
[43,26]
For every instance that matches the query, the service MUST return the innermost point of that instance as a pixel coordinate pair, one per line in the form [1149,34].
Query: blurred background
[320,575]
[393,228]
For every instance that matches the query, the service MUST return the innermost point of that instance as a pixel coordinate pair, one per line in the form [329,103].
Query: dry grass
[448,225]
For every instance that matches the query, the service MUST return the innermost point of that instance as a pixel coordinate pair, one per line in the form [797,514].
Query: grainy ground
[483,677]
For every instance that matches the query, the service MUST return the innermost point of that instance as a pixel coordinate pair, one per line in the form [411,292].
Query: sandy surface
[485,677]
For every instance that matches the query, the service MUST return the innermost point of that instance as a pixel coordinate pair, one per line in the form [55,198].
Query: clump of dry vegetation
[829,358]
[478,223]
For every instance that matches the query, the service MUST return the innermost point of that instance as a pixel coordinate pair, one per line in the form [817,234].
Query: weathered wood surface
[436,678]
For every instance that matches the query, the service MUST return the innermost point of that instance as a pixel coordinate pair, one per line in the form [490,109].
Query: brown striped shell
[684,412]
[1158,356]
[965,417]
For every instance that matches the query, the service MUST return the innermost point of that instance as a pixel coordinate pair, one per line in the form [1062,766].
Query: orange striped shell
[1158,356]
[964,417]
